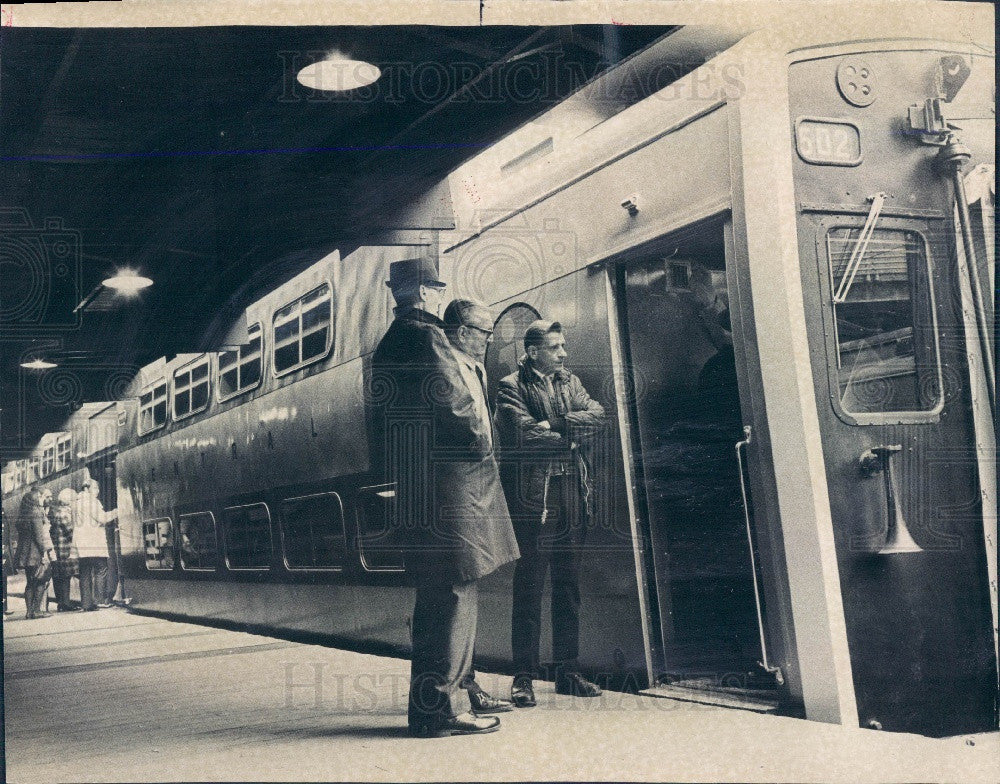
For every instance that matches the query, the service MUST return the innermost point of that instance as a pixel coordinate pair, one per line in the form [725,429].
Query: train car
[771,277]
[85,448]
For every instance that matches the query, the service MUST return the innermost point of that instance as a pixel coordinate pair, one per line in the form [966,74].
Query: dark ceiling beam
[464,89]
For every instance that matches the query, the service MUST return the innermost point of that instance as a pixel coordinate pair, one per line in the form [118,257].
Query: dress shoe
[484,703]
[522,694]
[462,724]
[575,684]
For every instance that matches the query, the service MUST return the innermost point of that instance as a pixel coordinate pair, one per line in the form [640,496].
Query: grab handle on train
[878,460]
[779,677]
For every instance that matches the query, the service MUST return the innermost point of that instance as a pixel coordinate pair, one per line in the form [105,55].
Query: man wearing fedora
[451,518]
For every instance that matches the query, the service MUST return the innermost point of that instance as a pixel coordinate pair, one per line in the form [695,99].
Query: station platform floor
[112,696]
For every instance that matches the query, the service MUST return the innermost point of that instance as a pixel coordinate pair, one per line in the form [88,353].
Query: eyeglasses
[487,332]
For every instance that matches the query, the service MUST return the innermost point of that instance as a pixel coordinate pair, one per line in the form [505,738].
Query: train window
[34,470]
[248,536]
[241,370]
[887,356]
[507,344]
[376,542]
[48,460]
[191,389]
[312,532]
[198,543]
[302,330]
[158,538]
[63,452]
[153,407]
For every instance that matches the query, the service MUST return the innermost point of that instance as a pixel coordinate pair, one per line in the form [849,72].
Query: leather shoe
[522,693]
[39,615]
[462,724]
[485,703]
[575,684]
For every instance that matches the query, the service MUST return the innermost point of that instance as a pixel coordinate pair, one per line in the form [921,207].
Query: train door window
[302,330]
[198,543]
[48,460]
[153,407]
[63,452]
[508,343]
[191,388]
[240,370]
[376,541]
[248,536]
[312,532]
[158,538]
[887,358]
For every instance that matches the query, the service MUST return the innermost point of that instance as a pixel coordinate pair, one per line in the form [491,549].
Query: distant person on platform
[92,545]
[67,565]
[451,519]
[546,422]
[35,553]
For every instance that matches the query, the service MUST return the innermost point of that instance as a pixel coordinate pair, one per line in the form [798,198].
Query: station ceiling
[193,156]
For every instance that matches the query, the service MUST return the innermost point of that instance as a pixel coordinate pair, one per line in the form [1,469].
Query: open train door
[673,301]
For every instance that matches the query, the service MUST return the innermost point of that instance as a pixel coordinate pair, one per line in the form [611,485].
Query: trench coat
[90,520]
[451,518]
[530,454]
[32,531]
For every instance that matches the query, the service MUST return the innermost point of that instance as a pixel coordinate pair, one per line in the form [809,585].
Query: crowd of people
[461,514]
[58,539]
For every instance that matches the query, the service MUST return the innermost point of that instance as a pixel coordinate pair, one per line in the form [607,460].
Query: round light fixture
[38,364]
[338,74]
[127,282]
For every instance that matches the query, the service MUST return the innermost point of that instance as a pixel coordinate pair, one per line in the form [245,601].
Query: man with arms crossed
[546,420]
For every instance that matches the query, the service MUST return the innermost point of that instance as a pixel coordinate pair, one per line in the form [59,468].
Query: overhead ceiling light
[127,282]
[38,364]
[338,74]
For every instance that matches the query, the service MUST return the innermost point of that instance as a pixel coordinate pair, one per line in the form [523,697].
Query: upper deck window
[63,452]
[302,330]
[48,460]
[240,370]
[191,389]
[887,352]
[153,407]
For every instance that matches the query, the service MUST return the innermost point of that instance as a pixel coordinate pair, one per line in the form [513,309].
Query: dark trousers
[556,544]
[60,584]
[444,632]
[36,587]
[93,579]
[111,532]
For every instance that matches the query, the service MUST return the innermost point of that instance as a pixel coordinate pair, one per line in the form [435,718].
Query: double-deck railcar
[771,273]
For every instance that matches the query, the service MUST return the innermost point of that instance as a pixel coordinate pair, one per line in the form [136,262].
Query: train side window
[34,470]
[248,537]
[887,357]
[191,388]
[507,344]
[312,532]
[153,407]
[303,330]
[63,452]
[198,543]
[158,538]
[241,370]
[48,460]
[376,541]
